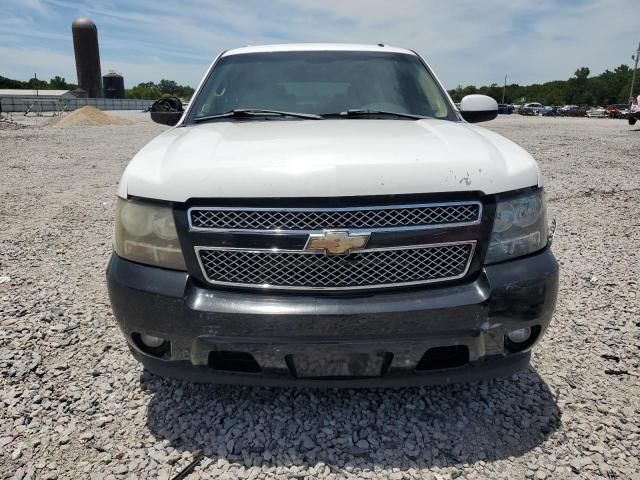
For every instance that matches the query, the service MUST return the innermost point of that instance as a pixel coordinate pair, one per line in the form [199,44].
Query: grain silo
[85,46]
[113,85]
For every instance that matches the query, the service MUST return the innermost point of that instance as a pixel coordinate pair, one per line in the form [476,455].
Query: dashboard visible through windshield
[325,83]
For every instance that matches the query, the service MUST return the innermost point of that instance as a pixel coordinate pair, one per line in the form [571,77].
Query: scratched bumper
[367,339]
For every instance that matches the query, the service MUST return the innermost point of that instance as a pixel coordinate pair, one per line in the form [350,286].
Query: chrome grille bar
[307,220]
[308,270]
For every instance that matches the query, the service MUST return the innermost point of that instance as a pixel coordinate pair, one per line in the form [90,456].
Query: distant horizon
[532,41]
[448,87]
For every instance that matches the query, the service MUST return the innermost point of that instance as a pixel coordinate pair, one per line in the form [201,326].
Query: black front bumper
[365,339]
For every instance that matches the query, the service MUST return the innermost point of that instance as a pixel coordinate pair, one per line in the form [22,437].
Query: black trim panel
[497,366]
[270,327]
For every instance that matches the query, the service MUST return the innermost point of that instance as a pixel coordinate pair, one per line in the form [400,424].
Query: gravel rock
[541,475]
[363,444]
[74,403]
[120,470]
[307,442]
[579,463]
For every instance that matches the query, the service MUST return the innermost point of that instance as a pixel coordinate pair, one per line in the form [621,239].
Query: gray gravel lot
[74,404]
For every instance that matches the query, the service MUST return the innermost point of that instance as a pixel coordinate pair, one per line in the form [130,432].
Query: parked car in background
[567,110]
[634,112]
[552,111]
[597,112]
[572,111]
[505,109]
[533,108]
[618,110]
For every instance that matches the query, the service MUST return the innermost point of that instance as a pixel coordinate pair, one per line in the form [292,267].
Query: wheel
[632,121]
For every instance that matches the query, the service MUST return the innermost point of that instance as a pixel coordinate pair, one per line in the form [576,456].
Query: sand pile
[87,116]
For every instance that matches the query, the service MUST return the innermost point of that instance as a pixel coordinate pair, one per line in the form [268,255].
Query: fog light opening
[150,344]
[521,338]
[150,341]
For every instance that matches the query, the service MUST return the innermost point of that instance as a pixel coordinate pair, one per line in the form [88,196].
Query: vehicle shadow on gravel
[404,428]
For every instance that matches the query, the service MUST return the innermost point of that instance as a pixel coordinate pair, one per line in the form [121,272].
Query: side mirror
[167,111]
[478,108]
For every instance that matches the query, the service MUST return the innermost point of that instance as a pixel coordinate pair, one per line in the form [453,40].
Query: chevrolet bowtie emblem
[336,242]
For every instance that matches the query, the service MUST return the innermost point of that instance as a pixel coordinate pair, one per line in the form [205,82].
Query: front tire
[632,121]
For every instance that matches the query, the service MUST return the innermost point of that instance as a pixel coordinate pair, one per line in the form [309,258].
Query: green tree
[460,92]
[581,89]
[36,83]
[168,86]
[59,83]
[10,83]
[143,92]
[147,85]
[582,73]
[165,88]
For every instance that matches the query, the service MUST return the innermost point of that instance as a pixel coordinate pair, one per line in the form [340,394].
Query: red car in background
[618,110]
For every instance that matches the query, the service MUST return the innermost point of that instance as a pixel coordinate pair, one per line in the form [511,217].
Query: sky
[466,41]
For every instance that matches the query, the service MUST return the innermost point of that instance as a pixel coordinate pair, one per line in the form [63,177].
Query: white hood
[326,158]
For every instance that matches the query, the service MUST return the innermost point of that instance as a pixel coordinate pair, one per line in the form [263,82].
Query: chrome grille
[363,269]
[310,219]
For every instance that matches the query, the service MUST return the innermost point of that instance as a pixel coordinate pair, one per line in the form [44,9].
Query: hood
[326,158]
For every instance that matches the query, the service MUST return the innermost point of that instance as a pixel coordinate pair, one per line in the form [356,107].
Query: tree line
[56,83]
[605,89]
[144,90]
[581,89]
[152,91]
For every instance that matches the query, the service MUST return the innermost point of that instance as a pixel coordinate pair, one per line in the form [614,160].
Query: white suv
[634,111]
[324,215]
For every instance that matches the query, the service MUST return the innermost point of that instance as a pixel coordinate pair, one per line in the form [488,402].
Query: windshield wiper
[362,112]
[256,112]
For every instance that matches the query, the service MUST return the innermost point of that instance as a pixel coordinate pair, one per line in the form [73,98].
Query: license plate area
[322,363]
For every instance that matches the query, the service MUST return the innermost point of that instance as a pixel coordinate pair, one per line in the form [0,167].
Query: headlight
[146,233]
[520,227]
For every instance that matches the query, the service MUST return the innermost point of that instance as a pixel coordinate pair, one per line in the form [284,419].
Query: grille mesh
[358,270]
[322,219]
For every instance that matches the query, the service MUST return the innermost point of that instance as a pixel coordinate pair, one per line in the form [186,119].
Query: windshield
[323,83]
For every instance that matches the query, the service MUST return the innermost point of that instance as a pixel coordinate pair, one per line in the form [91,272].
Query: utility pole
[35,75]
[504,89]
[633,79]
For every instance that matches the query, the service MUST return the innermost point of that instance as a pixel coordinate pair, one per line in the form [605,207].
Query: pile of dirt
[87,116]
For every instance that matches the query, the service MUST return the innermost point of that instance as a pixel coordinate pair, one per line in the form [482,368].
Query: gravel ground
[74,404]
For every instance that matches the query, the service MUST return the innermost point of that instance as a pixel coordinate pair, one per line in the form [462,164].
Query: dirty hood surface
[326,158]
